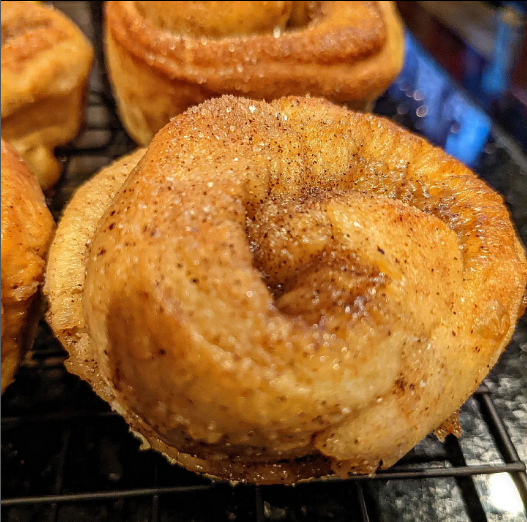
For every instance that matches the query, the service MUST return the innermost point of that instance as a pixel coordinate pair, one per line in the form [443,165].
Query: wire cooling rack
[67,457]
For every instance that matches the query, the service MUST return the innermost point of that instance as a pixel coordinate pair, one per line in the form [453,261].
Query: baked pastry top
[273,292]
[27,226]
[44,70]
[164,57]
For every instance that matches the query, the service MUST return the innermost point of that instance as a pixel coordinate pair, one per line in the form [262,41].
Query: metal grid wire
[54,422]
[67,457]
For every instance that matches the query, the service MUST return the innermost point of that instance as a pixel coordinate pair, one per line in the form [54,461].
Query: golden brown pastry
[27,226]
[164,57]
[45,65]
[273,292]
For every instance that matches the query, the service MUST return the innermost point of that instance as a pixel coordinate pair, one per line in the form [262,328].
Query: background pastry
[276,291]
[27,226]
[45,65]
[164,57]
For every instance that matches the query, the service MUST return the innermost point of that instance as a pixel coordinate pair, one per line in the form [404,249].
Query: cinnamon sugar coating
[164,57]
[273,292]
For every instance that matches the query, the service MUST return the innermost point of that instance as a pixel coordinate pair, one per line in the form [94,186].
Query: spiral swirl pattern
[164,57]
[280,289]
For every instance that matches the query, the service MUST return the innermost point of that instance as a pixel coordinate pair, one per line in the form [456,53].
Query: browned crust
[487,274]
[42,47]
[27,226]
[350,54]
[22,38]
[45,65]
[345,32]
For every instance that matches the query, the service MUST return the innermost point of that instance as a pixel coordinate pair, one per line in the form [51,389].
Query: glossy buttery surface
[45,65]
[164,57]
[27,226]
[278,291]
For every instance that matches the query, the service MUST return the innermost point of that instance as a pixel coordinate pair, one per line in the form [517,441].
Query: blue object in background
[467,144]
[430,99]
[497,76]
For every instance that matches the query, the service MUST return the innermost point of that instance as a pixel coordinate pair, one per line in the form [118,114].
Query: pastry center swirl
[259,264]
